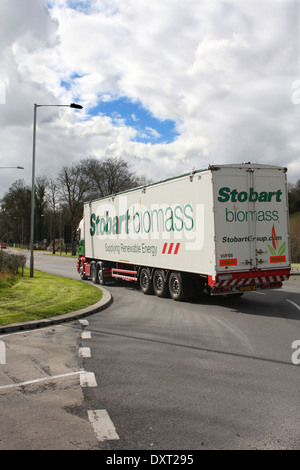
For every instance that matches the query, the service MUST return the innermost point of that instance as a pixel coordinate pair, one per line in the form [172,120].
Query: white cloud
[223,70]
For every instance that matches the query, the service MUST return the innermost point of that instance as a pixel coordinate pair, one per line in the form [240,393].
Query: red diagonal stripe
[164,248]
[176,248]
[170,248]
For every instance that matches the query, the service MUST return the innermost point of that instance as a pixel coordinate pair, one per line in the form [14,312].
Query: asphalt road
[215,373]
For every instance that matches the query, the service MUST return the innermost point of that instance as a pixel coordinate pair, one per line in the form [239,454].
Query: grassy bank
[43,296]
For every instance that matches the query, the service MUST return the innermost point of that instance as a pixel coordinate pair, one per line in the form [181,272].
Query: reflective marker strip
[228,262]
[277,259]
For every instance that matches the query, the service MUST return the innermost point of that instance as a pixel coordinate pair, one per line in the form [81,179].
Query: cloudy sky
[168,85]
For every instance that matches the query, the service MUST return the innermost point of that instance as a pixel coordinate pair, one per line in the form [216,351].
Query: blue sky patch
[80,5]
[149,129]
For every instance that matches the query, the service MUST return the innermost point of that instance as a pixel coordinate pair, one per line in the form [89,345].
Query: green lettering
[179,218]
[136,215]
[188,217]
[271,194]
[261,216]
[243,196]
[115,228]
[102,226]
[97,225]
[169,219]
[278,195]
[253,195]
[108,223]
[156,214]
[233,195]
[92,223]
[147,230]
[268,216]
[229,216]
[263,196]
[127,220]
[223,197]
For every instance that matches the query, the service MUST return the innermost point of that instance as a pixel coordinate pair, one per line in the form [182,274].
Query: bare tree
[108,176]
[73,187]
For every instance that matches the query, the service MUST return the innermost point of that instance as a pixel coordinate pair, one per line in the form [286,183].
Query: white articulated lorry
[224,229]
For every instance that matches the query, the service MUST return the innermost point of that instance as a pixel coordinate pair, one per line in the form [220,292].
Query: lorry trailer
[223,229]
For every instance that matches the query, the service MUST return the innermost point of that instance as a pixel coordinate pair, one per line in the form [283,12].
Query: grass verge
[43,296]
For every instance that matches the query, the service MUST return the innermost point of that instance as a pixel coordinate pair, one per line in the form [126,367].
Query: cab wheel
[94,273]
[81,273]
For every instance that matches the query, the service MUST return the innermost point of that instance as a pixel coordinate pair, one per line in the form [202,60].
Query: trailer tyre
[94,273]
[176,286]
[160,285]
[100,274]
[145,282]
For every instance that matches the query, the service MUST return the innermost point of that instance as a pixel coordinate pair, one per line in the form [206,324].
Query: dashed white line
[84,352]
[100,420]
[86,335]
[102,425]
[88,379]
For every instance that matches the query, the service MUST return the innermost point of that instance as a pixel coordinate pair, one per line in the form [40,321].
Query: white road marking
[102,425]
[86,335]
[88,379]
[293,303]
[84,322]
[84,352]
[43,379]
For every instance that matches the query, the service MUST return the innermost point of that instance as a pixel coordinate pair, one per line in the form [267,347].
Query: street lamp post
[72,105]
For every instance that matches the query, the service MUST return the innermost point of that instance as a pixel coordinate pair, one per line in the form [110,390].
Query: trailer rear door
[251,223]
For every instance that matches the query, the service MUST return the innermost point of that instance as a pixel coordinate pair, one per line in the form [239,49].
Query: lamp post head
[76,106]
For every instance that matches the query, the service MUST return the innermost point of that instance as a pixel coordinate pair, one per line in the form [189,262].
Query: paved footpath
[42,383]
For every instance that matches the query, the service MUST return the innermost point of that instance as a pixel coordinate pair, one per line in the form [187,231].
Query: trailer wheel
[145,282]
[176,286]
[100,274]
[160,285]
[94,273]
[81,273]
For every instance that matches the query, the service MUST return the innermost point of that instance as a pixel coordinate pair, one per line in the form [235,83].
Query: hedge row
[10,263]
